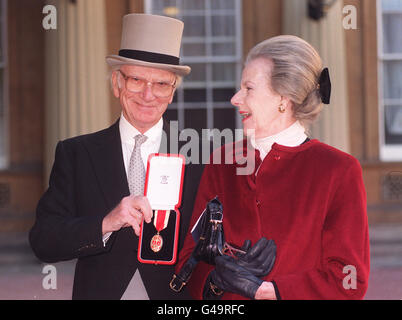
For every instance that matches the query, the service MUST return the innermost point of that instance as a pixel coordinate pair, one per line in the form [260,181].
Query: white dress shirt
[151,145]
[290,137]
[136,289]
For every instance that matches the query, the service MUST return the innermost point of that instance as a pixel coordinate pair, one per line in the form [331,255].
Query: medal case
[163,188]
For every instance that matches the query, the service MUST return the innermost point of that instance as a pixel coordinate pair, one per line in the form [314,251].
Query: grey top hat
[150,41]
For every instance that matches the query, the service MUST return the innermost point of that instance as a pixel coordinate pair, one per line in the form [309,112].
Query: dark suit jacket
[87,181]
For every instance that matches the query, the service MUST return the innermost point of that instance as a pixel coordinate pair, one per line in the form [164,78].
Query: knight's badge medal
[161,219]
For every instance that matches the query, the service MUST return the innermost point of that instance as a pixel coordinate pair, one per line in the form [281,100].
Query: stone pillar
[327,36]
[77,88]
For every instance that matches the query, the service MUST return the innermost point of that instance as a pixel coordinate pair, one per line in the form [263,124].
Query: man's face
[142,109]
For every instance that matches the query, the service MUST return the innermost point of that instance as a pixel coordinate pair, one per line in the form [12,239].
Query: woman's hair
[295,72]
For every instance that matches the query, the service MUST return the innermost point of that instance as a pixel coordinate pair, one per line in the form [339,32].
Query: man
[94,205]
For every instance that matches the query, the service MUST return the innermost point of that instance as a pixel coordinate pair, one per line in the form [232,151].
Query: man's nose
[147,93]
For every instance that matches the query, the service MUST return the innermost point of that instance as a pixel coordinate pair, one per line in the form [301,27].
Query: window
[212,47]
[390,78]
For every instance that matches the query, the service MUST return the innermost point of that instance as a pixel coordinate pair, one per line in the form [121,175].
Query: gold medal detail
[156,243]
[161,218]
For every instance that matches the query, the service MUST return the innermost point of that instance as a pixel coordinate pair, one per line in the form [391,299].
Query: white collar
[290,137]
[128,131]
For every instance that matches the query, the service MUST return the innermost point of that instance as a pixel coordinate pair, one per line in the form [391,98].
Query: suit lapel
[106,155]
[167,139]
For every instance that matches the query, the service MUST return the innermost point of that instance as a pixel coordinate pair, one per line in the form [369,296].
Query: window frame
[388,152]
[181,106]
[4,145]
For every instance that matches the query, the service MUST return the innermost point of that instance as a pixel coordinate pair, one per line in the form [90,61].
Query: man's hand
[131,211]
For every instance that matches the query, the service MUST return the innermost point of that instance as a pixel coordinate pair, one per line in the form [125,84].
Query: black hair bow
[324,86]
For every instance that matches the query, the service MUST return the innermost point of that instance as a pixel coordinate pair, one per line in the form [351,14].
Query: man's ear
[172,96]
[116,89]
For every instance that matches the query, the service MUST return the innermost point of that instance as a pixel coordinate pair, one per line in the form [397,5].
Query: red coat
[311,200]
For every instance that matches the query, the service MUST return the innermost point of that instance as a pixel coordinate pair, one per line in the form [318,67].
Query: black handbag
[211,243]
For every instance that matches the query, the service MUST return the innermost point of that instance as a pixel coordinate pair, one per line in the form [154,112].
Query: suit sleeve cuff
[106,237]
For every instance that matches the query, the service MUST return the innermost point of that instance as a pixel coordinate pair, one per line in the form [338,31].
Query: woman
[305,195]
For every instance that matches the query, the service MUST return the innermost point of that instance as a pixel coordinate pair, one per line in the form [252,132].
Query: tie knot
[140,139]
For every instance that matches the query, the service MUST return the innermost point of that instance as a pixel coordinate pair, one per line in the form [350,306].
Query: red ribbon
[160,220]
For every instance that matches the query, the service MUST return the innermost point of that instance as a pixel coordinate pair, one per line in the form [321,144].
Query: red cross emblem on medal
[156,243]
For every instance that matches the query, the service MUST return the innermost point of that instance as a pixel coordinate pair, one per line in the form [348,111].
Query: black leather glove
[260,258]
[255,263]
[230,276]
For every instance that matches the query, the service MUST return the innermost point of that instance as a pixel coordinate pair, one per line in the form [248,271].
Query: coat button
[277,157]
[258,202]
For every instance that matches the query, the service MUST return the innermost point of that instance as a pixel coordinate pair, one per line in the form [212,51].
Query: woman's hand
[241,275]
[229,276]
[260,258]
[266,291]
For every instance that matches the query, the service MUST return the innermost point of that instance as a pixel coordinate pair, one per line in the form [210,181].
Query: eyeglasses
[160,89]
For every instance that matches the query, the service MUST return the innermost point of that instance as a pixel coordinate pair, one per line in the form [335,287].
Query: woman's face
[257,102]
